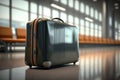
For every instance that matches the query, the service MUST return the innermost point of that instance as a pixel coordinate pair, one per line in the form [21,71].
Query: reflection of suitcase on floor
[63,73]
[50,43]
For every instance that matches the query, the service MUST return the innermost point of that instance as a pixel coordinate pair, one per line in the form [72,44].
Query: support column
[10,10]
[113,24]
[37,8]
[105,24]
[29,12]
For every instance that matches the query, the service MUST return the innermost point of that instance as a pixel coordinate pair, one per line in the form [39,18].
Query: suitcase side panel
[59,50]
[42,40]
[28,45]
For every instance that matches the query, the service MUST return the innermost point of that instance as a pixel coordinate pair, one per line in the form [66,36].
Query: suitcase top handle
[57,19]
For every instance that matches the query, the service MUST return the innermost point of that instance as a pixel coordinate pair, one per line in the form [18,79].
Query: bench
[83,39]
[7,37]
[21,33]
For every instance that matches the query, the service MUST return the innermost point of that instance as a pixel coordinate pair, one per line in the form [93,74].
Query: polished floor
[101,63]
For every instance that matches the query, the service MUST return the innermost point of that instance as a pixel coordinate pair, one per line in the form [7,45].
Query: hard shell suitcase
[51,43]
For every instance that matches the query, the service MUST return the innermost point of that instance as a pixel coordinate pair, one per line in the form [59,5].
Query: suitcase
[50,43]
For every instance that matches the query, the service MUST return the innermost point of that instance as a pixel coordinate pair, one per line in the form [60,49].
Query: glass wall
[82,27]
[63,16]
[55,13]
[4,13]
[19,14]
[75,14]
[117,30]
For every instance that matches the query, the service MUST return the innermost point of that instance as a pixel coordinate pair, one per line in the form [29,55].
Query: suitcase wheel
[47,64]
[30,66]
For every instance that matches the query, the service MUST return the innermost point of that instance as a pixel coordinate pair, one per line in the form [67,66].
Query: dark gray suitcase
[51,43]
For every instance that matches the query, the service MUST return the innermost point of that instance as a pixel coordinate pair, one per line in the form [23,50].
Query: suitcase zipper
[34,41]
[31,58]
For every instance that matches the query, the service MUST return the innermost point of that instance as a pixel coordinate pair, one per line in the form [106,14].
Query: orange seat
[5,32]
[20,33]
[81,38]
[117,41]
[87,39]
[7,37]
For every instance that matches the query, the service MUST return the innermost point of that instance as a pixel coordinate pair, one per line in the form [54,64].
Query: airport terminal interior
[98,26]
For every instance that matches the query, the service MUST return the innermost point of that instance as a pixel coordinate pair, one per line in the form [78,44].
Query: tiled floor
[93,64]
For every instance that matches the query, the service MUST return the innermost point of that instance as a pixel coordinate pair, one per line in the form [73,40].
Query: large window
[116,35]
[19,19]
[55,13]
[82,22]
[22,4]
[77,22]
[110,21]
[63,2]
[4,16]
[87,10]
[34,7]
[87,31]
[100,16]
[96,30]
[91,29]
[116,24]
[82,7]
[33,16]
[6,2]
[96,14]
[70,19]
[92,12]
[117,30]
[82,26]
[76,5]
[63,16]
[19,16]
[100,31]
[33,11]
[70,4]
[46,12]
[40,11]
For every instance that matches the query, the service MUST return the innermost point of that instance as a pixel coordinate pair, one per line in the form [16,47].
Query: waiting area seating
[7,36]
[83,39]
[21,33]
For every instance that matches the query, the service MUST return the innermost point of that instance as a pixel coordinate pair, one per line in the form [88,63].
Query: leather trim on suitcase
[31,47]
[33,50]
[34,41]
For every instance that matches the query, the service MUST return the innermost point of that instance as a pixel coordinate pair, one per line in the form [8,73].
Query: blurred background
[98,18]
